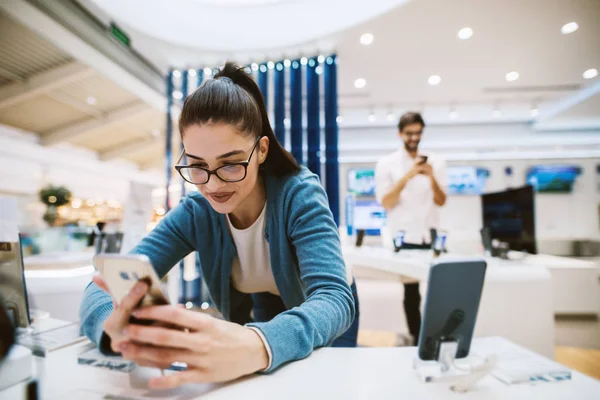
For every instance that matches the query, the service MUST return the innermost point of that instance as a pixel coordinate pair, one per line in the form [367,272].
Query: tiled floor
[578,332]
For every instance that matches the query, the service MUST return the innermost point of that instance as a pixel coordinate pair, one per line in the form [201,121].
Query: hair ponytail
[234,98]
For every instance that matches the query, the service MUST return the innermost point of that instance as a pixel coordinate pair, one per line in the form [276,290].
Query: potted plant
[54,197]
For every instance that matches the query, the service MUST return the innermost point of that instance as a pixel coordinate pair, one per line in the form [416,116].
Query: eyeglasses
[232,172]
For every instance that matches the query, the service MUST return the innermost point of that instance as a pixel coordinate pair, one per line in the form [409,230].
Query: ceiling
[412,41]
[65,95]
[233,25]
[419,39]
[46,91]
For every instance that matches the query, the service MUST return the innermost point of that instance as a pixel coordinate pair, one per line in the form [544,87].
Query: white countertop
[330,373]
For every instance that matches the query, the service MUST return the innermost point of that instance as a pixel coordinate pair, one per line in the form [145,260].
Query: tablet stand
[441,369]
[444,369]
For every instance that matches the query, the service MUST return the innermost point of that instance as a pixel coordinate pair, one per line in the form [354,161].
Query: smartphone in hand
[121,272]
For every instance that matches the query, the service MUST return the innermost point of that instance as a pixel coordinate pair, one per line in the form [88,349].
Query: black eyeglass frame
[209,172]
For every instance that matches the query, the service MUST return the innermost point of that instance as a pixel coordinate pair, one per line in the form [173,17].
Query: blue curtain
[189,290]
[168,135]
[296,111]
[280,103]
[263,83]
[313,131]
[183,293]
[332,184]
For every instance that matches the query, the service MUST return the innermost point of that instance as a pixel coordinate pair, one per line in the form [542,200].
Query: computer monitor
[12,283]
[361,182]
[367,215]
[552,178]
[510,217]
[466,179]
[451,305]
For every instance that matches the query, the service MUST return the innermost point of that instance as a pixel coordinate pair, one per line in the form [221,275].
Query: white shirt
[415,213]
[251,269]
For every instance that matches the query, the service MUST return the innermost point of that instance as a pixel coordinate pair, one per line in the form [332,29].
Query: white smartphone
[121,272]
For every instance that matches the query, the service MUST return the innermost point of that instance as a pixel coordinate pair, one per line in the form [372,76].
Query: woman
[268,248]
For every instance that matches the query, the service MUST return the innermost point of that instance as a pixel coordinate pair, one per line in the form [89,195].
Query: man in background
[411,187]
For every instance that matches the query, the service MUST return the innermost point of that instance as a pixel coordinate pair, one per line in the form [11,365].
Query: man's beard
[411,146]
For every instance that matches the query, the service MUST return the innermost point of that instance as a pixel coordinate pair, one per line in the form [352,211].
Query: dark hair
[410,118]
[233,98]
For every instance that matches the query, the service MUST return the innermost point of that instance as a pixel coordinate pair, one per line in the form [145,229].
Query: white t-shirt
[251,269]
[415,213]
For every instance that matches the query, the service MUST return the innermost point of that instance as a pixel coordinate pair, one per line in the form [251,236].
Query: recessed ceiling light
[177,73]
[321,59]
[366,39]
[177,95]
[207,71]
[287,63]
[569,28]
[372,117]
[303,60]
[339,119]
[91,100]
[512,76]
[254,67]
[263,68]
[191,72]
[311,62]
[360,83]
[295,65]
[279,67]
[319,70]
[434,80]
[453,115]
[497,113]
[271,65]
[465,33]
[535,112]
[590,73]
[248,70]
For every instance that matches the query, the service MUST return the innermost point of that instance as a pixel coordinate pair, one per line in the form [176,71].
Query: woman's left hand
[214,350]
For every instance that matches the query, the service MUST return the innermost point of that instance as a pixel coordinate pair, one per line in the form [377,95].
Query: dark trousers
[267,306]
[412,298]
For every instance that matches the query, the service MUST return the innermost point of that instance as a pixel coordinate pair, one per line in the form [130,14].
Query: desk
[363,373]
[576,283]
[516,301]
[55,282]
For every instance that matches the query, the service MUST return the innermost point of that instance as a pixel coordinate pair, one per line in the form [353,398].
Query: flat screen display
[466,180]
[368,215]
[553,178]
[510,217]
[361,182]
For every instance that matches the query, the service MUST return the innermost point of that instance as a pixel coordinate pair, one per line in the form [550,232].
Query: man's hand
[426,169]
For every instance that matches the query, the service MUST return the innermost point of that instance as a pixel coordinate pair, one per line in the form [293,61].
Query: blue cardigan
[306,260]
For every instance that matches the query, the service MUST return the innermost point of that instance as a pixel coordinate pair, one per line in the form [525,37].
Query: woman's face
[213,145]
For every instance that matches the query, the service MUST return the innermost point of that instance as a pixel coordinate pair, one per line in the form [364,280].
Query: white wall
[26,166]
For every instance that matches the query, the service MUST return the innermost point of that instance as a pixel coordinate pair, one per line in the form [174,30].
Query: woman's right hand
[119,318]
